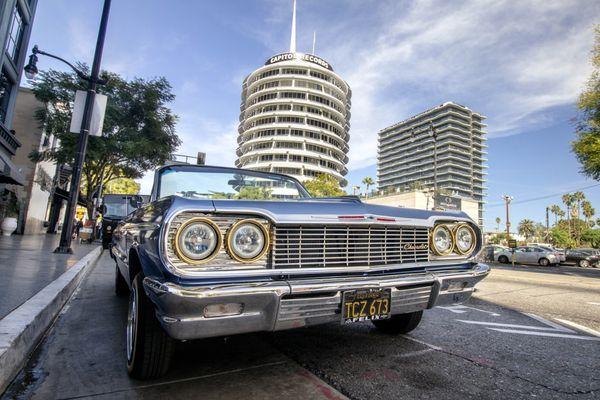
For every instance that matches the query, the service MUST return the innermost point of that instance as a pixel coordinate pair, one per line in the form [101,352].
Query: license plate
[366,305]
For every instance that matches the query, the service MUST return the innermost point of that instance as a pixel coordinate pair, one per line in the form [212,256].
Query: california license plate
[366,305]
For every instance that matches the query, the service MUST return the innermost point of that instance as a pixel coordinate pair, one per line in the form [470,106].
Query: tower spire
[293,36]
[314,41]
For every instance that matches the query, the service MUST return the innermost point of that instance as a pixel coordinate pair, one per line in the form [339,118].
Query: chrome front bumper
[277,305]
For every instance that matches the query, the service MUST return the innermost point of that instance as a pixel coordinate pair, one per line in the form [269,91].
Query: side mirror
[102,209]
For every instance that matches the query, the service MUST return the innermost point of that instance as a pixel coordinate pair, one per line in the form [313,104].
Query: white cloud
[512,61]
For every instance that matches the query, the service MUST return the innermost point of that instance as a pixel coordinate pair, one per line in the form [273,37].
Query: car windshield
[228,184]
[118,206]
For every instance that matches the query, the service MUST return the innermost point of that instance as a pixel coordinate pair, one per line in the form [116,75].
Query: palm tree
[578,198]
[588,211]
[569,200]
[526,228]
[355,189]
[368,181]
[498,220]
[555,209]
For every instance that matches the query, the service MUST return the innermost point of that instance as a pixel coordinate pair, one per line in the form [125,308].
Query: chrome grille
[297,246]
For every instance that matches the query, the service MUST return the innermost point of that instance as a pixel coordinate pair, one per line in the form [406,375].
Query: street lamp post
[507,200]
[93,80]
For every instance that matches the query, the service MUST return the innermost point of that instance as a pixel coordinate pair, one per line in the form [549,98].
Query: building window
[6,86]
[15,33]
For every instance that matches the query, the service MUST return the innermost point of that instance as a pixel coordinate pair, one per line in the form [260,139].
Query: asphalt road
[485,349]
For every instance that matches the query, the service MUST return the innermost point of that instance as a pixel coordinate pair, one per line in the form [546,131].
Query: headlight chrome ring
[231,247]
[450,238]
[457,247]
[214,252]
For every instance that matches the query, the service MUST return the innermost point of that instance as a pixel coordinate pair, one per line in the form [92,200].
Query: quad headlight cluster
[198,240]
[447,239]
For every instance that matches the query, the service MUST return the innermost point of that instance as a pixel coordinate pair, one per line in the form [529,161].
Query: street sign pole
[67,231]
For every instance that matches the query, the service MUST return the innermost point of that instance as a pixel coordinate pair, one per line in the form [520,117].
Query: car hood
[333,210]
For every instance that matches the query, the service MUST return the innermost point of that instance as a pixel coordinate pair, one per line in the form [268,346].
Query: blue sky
[522,64]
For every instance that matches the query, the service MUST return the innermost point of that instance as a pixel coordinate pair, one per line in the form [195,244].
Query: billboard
[446,203]
[299,56]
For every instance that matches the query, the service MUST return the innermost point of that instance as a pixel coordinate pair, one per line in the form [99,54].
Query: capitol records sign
[311,58]
[447,203]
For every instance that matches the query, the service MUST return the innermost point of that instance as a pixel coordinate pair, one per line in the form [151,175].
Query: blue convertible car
[221,251]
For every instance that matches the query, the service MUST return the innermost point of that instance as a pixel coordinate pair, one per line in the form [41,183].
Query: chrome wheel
[131,322]
[584,263]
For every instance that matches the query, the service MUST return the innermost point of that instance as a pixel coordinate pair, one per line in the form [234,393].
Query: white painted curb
[21,330]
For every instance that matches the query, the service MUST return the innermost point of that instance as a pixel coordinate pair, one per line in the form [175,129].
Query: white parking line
[549,323]
[421,342]
[461,309]
[536,328]
[414,353]
[585,329]
[593,303]
[563,335]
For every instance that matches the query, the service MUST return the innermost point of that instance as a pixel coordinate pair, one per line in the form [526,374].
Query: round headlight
[441,240]
[465,239]
[197,240]
[247,241]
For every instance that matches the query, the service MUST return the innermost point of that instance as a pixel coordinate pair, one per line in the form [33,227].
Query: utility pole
[547,222]
[507,199]
[67,232]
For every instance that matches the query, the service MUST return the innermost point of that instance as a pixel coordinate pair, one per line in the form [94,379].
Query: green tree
[587,127]
[588,211]
[122,186]
[555,209]
[569,201]
[526,228]
[138,134]
[254,193]
[368,181]
[578,198]
[560,238]
[498,220]
[540,231]
[324,185]
[416,185]
[498,238]
[592,236]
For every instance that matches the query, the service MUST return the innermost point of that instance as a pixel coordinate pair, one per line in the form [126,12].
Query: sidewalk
[35,285]
[83,356]
[27,265]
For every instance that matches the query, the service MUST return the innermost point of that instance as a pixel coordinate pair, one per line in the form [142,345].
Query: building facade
[16,18]
[295,117]
[423,200]
[39,177]
[443,147]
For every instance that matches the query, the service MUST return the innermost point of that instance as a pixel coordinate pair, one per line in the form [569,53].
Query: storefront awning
[9,173]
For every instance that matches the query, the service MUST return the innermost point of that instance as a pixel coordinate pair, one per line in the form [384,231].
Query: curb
[21,330]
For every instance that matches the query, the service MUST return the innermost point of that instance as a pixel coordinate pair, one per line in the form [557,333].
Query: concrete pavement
[570,294]
[83,356]
[27,265]
[478,350]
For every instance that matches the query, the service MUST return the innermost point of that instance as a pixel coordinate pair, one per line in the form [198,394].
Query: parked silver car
[529,255]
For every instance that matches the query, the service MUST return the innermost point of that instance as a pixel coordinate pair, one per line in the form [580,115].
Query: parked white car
[529,255]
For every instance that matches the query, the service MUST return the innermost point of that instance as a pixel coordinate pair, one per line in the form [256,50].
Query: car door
[520,255]
[529,255]
[538,253]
